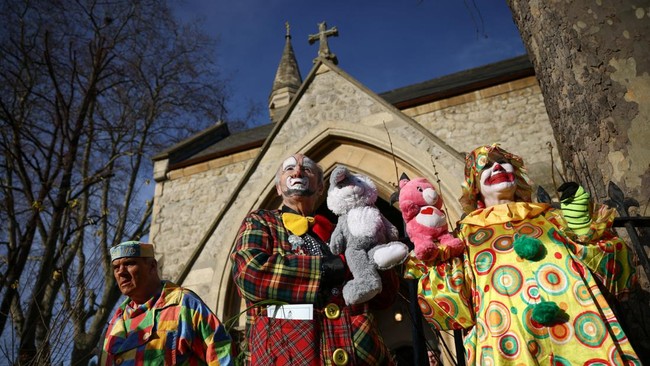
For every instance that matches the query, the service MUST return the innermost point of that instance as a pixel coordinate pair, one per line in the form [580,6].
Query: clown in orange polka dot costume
[526,291]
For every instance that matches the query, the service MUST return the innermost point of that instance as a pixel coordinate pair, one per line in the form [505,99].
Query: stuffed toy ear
[403,182]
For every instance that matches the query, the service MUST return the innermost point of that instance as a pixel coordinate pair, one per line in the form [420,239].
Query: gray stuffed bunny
[363,234]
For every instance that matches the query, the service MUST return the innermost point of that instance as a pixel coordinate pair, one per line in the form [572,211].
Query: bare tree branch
[89,91]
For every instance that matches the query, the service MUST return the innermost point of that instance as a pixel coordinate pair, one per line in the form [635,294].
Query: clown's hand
[575,205]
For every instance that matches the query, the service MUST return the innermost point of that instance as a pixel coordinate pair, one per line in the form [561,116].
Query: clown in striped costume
[160,323]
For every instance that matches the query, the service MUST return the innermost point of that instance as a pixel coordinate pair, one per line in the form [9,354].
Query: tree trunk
[592,61]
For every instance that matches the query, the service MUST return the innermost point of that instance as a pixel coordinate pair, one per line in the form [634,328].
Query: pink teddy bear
[426,224]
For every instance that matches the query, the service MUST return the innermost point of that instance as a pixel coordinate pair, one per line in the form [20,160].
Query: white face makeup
[299,176]
[498,182]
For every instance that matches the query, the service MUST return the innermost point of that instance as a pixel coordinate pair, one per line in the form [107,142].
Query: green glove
[574,203]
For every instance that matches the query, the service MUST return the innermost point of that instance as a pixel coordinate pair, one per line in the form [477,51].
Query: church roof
[213,143]
[243,140]
[460,83]
[218,141]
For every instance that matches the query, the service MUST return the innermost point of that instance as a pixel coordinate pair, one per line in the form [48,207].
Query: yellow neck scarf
[297,224]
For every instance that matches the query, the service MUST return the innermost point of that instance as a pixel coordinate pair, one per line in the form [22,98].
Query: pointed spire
[287,81]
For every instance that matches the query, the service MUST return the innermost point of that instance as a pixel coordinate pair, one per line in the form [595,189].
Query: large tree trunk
[592,60]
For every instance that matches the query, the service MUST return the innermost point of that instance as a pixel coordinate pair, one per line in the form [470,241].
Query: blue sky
[385,44]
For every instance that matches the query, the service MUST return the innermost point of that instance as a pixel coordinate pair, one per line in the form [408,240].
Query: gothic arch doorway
[384,168]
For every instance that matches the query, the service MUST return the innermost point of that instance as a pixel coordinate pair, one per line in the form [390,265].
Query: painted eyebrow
[290,161]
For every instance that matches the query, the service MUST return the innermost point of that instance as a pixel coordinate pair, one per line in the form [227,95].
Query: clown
[159,322]
[527,289]
[282,256]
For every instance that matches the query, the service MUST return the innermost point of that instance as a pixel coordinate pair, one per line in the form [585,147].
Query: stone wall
[512,114]
[186,204]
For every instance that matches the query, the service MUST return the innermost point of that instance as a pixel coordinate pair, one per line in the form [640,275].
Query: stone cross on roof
[323,33]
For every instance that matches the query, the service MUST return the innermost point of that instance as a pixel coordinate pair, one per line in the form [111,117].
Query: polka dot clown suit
[527,290]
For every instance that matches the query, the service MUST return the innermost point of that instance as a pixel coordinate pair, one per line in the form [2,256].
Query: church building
[206,184]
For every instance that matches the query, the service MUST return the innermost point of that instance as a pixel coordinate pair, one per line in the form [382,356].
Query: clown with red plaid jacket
[282,256]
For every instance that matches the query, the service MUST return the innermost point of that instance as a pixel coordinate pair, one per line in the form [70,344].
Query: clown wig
[476,161]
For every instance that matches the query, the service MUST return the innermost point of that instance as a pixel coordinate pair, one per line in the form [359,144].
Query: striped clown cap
[477,160]
[132,249]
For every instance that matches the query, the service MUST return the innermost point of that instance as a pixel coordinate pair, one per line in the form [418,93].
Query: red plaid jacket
[266,267]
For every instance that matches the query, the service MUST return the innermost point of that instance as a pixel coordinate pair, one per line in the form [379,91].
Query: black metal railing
[623,204]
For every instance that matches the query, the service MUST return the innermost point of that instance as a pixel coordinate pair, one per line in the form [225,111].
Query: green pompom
[527,247]
[546,312]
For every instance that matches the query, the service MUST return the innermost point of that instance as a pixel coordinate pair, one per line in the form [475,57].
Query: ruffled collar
[499,214]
